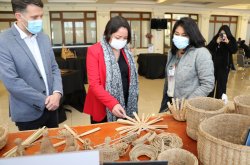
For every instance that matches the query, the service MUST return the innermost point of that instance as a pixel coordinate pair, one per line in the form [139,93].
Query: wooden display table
[107,129]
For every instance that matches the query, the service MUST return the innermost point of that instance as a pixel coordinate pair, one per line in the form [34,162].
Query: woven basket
[220,140]
[178,156]
[199,109]
[3,136]
[242,104]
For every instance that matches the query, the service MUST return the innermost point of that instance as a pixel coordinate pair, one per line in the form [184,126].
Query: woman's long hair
[191,29]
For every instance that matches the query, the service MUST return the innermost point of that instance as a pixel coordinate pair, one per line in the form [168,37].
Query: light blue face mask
[34,26]
[180,42]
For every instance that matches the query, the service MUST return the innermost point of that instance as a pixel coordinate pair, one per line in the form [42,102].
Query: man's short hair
[21,5]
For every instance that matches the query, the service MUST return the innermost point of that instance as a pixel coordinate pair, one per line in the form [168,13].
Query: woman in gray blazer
[189,69]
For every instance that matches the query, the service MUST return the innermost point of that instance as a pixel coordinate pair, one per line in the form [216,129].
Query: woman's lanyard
[172,68]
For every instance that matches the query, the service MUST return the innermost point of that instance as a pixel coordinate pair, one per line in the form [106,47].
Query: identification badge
[171,71]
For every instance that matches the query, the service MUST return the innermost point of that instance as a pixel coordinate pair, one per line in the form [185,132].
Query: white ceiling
[231,4]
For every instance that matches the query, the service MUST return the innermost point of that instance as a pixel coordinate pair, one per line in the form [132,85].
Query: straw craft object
[138,125]
[178,109]
[3,136]
[221,140]
[178,156]
[201,108]
[165,141]
[107,152]
[242,104]
[27,142]
[143,150]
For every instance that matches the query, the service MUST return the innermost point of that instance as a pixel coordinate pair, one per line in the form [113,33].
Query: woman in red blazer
[112,75]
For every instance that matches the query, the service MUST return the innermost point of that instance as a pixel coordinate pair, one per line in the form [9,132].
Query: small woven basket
[242,104]
[221,139]
[3,136]
[178,156]
[201,108]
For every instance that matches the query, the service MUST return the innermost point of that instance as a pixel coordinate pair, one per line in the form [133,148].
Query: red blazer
[98,98]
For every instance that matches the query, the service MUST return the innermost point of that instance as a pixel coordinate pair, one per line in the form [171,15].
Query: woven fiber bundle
[3,136]
[242,104]
[201,108]
[221,139]
[178,156]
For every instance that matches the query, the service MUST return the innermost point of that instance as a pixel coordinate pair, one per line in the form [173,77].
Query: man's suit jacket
[22,78]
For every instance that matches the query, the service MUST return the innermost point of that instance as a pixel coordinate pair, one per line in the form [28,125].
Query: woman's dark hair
[192,31]
[21,5]
[227,31]
[114,24]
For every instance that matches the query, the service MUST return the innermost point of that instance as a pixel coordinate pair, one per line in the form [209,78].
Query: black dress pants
[221,77]
[48,119]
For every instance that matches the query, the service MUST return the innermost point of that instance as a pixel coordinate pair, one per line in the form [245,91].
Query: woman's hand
[218,40]
[226,40]
[118,111]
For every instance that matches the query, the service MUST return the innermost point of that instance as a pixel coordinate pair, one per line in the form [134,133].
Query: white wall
[103,15]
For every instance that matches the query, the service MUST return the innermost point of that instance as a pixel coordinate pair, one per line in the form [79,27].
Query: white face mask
[180,42]
[118,44]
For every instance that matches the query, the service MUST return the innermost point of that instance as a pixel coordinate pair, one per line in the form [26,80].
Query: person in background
[112,75]
[28,69]
[222,47]
[245,48]
[189,69]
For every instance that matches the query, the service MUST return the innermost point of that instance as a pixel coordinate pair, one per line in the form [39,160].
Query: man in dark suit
[28,69]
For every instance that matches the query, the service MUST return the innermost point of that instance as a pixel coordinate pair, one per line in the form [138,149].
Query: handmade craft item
[87,145]
[107,152]
[46,145]
[20,150]
[138,125]
[71,144]
[178,109]
[66,53]
[219,140]
[3,136]
[142,139]
[121,148]
[165,140]
[178,156]
[199,109]
[27,142]
[81,135]
[129,138]
[143,150]
[242,104]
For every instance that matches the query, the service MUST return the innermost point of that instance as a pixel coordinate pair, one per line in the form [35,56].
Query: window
[7,19]
[73,28]
[140,26]
[217,21]
[172,18]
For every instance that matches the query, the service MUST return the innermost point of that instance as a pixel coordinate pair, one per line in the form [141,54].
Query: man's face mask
[34,26]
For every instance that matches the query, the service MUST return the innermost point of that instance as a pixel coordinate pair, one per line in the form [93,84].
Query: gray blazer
[22,78]
[194,74]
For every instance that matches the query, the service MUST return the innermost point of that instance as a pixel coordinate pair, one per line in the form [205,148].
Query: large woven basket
[199,109]
[178,156]
[221,139]
[3,136]
[242,104]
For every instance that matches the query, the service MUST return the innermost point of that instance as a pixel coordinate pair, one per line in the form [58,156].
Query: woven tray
[220,140]
[242,104]
[178,156]
[201,108]
[3,136]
